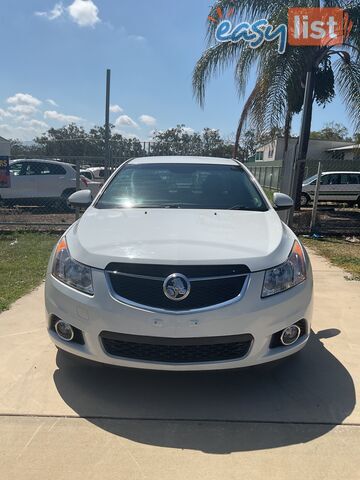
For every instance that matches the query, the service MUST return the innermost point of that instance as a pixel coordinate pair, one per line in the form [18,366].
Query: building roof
[346,148]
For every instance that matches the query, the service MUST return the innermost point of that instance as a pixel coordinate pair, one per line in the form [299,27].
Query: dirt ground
[330,221]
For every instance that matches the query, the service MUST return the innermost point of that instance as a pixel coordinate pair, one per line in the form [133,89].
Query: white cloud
[38,124]
[24,109]
[188,130]
[56,12]
[137,38]
[84,12]
[21,118]
[5,130]
[60,117]
[27,132]
[5,113]
[148,120]
[125,121]
[116,109]
[52,102]
[126,134]
[23,99]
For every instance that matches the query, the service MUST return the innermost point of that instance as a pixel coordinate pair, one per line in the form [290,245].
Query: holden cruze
[180,263]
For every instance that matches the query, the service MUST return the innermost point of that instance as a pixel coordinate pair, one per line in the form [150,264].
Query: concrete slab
[299,416]
[63,449]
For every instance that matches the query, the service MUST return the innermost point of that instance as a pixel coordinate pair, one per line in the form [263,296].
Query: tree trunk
[303,139]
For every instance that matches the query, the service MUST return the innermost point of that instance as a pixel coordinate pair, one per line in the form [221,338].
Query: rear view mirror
[282,201]
[81,199]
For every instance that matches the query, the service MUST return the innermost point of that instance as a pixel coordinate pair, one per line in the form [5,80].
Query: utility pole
[303,138]
[107,125]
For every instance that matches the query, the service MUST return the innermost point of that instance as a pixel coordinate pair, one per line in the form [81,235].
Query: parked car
[343,187]
[97,173]
[90,181]
[87,174]
[181,263]
[40,182]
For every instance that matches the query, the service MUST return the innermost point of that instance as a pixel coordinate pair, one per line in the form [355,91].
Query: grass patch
[269,193]
[339,252]
[23,260]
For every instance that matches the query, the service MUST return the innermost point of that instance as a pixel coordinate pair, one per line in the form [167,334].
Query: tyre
[305,199]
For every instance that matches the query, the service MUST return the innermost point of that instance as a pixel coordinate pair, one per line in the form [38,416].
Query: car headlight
[71,272]
[287,275]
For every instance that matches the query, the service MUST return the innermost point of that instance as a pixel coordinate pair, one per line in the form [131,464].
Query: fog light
[290,335]
[64,330]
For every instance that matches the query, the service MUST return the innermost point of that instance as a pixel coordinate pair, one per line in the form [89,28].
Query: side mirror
[81,199]
[282,201]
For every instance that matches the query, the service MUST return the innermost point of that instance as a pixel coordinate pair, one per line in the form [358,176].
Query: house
[348,152]
[4,147]
[318,150]
[4,163]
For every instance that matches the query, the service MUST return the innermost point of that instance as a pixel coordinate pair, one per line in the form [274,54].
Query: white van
[342,187]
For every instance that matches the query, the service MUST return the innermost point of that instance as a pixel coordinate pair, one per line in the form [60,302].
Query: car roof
[183,159]
[40,160]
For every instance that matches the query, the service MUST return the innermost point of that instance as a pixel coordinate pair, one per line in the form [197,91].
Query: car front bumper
[252,315]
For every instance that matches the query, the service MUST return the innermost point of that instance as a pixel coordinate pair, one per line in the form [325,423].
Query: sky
[55,55]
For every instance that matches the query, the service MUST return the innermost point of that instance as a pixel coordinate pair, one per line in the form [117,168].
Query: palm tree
[279,89]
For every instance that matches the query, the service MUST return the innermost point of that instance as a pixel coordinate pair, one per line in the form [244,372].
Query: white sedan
[181,263]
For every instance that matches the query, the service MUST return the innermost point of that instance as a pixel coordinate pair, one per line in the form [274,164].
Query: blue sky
[56,54]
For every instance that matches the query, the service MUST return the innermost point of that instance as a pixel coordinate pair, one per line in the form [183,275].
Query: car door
[50,180]
[330,189]
[19,184]
[350,186]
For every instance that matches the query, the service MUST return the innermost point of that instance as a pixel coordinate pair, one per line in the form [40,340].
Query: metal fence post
[77,209]
[316,201]
[107,125]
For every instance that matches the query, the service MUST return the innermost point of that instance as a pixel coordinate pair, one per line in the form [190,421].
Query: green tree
[66,142]
[176,141]
[183,141]
[279,89]
[213,145]
[332,131]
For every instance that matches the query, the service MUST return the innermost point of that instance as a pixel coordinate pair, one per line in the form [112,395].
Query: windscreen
[185,185]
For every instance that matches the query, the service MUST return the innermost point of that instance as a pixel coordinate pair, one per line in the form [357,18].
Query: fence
[35,206]
[268,174]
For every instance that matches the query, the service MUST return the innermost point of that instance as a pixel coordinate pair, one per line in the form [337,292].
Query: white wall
[4,147]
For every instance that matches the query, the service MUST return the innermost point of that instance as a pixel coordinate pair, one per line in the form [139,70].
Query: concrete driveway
[293,420]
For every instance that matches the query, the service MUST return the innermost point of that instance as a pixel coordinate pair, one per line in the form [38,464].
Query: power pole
[107,125]
[303,138]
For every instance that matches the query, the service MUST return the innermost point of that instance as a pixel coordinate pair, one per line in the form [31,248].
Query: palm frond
[244,116]
[348,80]
[213,60]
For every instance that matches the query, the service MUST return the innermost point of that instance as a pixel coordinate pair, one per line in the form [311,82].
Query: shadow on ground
[269,406]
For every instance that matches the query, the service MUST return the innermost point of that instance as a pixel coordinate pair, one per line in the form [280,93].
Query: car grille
[181,350]
[210,284]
